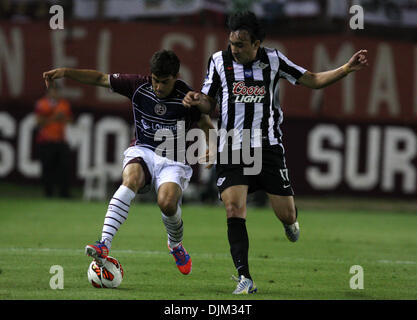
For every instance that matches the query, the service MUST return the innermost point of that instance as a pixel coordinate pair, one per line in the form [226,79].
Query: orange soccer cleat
[182,258]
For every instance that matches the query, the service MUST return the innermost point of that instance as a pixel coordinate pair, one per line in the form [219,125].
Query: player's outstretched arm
[199,100]
[91,77]
[323,79]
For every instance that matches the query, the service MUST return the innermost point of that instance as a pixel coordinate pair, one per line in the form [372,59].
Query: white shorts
[161,169]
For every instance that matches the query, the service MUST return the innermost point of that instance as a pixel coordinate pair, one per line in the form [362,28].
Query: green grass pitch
[37,234]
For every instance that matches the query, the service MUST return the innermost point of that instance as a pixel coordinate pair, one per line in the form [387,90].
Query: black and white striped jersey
[248,97]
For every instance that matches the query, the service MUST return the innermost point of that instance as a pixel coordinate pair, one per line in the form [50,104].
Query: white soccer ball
[109,275]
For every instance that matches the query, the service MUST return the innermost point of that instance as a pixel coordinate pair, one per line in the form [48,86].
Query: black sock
[239,245]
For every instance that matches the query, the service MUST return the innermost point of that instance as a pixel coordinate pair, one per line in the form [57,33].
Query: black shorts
[273,177]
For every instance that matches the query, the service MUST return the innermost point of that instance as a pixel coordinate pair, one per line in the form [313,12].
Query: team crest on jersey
[262,65]
[160,109]
[248,73]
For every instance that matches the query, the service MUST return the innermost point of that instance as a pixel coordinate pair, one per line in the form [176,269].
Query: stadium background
[356,138]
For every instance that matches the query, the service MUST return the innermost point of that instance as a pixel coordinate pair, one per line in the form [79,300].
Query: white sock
[174,227]
[116,214]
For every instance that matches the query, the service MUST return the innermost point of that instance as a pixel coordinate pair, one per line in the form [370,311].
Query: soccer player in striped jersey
[157,104]
[244,81]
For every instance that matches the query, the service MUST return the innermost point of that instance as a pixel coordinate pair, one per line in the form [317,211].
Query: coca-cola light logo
[245,94]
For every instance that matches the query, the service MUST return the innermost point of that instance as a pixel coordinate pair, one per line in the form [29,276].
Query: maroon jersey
[152,113]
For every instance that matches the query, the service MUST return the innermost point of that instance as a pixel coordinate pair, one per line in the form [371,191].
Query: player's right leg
[134,178]
[233,186]
[234,199]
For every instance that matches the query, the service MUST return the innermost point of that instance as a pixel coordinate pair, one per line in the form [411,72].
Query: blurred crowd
[132,9]
[288,16]
[27,10]
[30,10]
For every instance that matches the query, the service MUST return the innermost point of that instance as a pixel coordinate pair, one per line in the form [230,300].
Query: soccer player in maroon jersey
[157,104]
[243,81]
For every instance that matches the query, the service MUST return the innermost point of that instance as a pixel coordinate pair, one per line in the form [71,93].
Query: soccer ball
[109,275]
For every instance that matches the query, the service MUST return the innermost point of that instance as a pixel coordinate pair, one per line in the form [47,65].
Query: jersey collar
[257,58]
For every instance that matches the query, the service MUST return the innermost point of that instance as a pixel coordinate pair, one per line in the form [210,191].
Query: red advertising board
[386,91]
[357,136]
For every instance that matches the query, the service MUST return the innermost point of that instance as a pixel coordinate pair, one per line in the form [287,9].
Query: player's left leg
[169,196]
[171,179]
[169,199]
[275,181]
[286,211]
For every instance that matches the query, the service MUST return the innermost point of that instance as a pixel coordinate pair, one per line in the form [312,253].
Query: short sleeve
[289,70]
[212,82]
[126,84]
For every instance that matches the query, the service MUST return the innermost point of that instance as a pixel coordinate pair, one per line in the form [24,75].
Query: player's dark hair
[246,20]
[165,63]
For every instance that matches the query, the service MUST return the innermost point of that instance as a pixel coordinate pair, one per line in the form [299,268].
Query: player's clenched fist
[197,99]
[51,75]
[192,98]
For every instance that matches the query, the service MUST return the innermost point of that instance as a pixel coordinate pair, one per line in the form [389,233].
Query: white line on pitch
[203,255]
